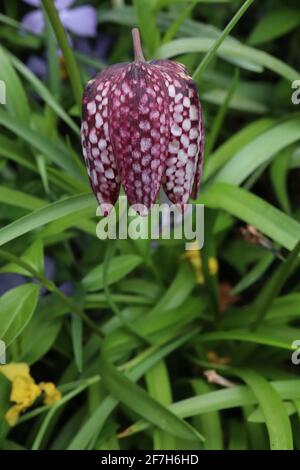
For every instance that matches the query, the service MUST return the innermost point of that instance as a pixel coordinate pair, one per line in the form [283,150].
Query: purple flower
[37,65]
[10,281]
[82,20]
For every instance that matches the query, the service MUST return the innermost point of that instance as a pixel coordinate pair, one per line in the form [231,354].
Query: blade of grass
[274,285]
[218,400]
[159,387]
[255,211]
[209,424]
[212,51]
[133,396]
[277,420]
[49,213]
[94,424]
[63,42]
[219,119]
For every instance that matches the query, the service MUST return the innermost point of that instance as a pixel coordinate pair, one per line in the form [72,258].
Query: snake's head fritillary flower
[142,127]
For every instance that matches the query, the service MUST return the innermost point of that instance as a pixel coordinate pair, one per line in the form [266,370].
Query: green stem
[212,51]
[49,285]
[62,40]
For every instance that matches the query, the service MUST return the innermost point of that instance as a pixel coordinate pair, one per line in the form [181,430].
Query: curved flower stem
[137,46]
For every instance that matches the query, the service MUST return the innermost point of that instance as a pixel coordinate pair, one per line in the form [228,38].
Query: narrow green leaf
[228,51]
[77,339]
[95,423]
[124,390]
[33,256]
[279,175]
[209,424]
[49,213]
[16,309]
[273,24]
[255,211]
[44,93]
[233,145]
[159,388]
[264,147]
[282,337]
[16,98]
[272,288]
[147,23]
[218,42]
[118,268]
[63,42]
[55,152]
[277,420]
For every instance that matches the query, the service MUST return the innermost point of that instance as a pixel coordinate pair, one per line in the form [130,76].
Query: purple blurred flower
[82,20]
[98,50]
[37,65]
[67,288]
[10,280]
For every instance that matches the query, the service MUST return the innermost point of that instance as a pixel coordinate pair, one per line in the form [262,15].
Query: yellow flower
[12,415]
[12,370]
[25,391]
[52,395]
[194,257]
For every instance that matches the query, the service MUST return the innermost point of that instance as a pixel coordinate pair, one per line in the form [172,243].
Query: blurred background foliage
[150,347]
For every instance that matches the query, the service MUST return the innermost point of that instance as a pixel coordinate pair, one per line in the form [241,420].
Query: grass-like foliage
[141,344]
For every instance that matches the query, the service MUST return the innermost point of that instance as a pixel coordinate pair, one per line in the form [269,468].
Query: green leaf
[277,420]
[218,42]
[49,213]
[147,23]
[34,256]
[257,416]
[255,211]
[272,288]
[5,390]
[217,400]
[159,387]
[279,175]
[55,152]
[63,42]
[118,268]
[282,337]
[209,424]
[77,339]
[254,274]
[16,98]
[234,145]
[95,423]
[274,24]
[44,93]
[228,50]
[20,199]
[124,390]
[263,147]
[45,324]
[16,309]
[180,289]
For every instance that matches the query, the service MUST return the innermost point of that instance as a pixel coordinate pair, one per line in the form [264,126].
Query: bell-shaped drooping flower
[142,127]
